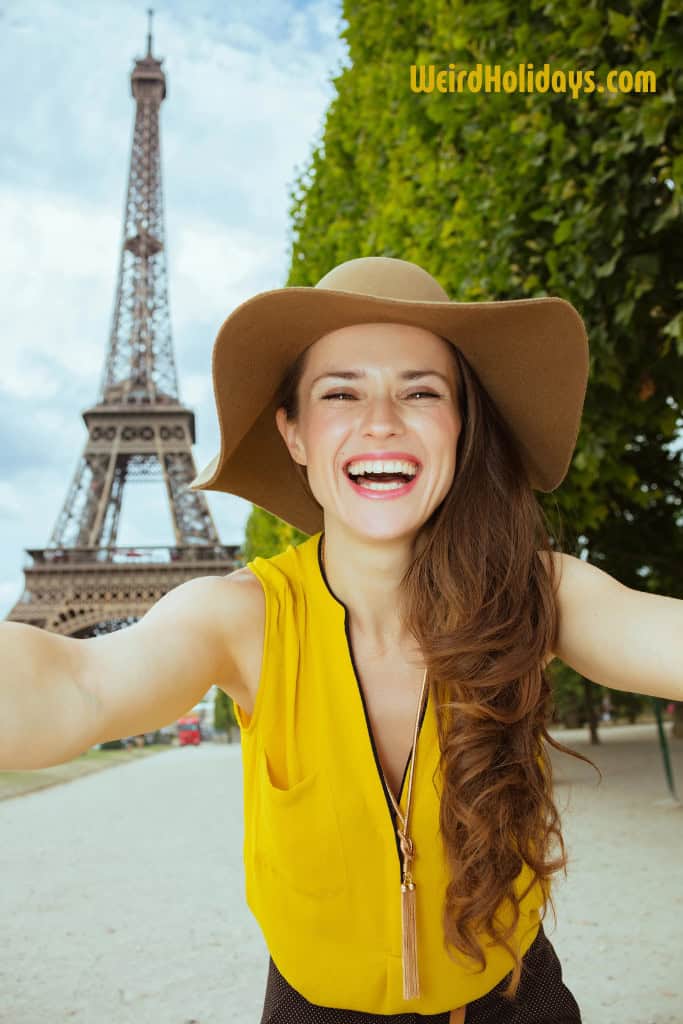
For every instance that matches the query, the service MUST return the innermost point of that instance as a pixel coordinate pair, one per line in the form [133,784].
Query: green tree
[508,195]
[267,535]
[223,714]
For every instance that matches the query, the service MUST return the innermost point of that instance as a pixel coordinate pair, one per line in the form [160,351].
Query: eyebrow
[403,375]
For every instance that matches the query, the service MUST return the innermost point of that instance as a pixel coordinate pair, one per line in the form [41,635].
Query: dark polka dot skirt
[542,998]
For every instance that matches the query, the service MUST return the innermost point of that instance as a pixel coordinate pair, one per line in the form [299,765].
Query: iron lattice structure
[82,583]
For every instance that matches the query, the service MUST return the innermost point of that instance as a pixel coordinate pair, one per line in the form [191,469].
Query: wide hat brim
[531,355]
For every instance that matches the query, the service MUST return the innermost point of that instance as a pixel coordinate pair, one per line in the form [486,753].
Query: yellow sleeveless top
[321,854]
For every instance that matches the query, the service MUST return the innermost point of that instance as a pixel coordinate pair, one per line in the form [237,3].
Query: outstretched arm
[626,639]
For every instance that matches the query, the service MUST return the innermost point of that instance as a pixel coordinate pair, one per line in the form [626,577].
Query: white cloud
[57,260]
[11,506]
[247,95]
[216,267]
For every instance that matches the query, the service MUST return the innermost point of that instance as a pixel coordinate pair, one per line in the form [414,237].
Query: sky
[248,87]
[247,90]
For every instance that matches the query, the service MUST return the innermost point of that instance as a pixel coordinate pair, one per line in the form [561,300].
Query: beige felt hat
[531,355]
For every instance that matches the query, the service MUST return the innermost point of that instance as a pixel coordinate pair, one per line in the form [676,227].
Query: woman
[399,675]
[387,673]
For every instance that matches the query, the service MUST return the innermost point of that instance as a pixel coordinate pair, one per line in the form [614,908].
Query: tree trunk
[589,704]
[677,730]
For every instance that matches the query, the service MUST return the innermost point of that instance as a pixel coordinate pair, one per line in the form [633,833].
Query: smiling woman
[404,643]
[468,587]
[325,436]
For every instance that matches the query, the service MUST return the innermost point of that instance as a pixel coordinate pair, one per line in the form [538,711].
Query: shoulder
[245,596]
[574,577]
[245,579]
[238,614]
[243,612]
[231,597]
[556,558]
[553,562]
[580,589]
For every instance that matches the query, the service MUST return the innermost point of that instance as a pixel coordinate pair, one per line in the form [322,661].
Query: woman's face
[377,412]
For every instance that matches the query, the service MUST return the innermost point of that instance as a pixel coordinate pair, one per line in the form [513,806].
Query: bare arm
[59,695]
[626,639]
[44,718]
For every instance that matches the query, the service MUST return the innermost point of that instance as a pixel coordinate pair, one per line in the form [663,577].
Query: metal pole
[664,746]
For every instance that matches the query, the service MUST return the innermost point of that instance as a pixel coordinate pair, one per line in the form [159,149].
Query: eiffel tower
[82,584]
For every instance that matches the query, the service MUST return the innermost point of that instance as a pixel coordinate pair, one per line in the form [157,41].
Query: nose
[382,416]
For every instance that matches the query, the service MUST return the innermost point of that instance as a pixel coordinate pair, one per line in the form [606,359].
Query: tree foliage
[515,194]
[507,195]
[267,535]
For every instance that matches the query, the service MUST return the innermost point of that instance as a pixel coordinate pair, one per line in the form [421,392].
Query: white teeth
[382,466]
[377,485]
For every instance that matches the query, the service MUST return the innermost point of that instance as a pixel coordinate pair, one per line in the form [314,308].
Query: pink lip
[382,455]
[364,492]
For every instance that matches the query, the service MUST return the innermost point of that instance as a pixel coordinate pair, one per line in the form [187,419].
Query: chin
[384,532]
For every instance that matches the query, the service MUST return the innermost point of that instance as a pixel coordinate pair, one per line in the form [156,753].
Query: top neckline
[323,583]
[321,575]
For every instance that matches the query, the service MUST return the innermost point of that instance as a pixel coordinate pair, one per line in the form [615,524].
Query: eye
[345,394]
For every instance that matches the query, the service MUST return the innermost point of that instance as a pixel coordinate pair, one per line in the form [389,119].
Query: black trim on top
[380,773]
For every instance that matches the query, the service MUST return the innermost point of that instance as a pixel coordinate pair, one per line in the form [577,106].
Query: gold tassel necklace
[411,977]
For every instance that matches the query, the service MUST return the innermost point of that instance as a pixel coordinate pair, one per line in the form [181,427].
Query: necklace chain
[403,830]
[409,957]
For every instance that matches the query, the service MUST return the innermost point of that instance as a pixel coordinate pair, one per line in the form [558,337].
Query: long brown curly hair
[480,603]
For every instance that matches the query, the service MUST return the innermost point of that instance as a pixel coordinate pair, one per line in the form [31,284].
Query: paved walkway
[123,892]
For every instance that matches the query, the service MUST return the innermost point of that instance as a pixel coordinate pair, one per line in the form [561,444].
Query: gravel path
[123,892]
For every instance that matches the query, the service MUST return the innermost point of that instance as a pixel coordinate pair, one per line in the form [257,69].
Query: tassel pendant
[411,980]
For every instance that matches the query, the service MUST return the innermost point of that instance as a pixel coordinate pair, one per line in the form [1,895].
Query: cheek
[447,429]
[447,424]
[325,436]
[326,424]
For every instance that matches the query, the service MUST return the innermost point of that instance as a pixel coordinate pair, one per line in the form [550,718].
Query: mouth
[381,485]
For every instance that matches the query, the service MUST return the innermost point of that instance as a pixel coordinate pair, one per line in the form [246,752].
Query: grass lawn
[21,781]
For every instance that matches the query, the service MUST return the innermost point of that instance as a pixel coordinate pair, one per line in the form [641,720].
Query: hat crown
[385,277]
